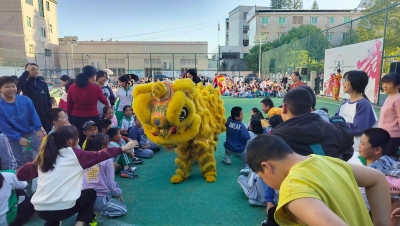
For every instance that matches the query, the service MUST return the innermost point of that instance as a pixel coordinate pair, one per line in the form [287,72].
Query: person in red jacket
[82,100]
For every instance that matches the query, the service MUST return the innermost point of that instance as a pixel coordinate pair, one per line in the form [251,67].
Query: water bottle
[29,148]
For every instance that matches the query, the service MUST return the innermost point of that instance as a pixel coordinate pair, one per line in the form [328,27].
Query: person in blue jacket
[19,122]
[236,136]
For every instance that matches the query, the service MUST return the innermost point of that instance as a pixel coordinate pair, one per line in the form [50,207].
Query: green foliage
[252,57]
[276,4]
[315,5]
[298,4]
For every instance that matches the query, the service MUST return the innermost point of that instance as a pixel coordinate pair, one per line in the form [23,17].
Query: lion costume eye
[184,114]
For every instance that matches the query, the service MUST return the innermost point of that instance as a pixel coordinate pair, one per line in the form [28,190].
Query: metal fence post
[173,66]
[66,57]
[383,52]
[151,68]
[105,59]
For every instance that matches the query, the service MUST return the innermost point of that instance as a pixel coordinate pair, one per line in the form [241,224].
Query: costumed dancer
[336,84]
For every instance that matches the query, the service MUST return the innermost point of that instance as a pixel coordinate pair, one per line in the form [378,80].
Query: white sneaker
[245,171]
[227,160]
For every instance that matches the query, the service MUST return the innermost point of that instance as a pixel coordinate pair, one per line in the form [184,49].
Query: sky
[158,20]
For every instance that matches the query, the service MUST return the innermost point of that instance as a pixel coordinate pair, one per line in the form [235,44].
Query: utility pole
[260,40]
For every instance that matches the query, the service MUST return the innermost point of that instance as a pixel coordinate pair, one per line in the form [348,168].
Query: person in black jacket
[307,133]
[37,90]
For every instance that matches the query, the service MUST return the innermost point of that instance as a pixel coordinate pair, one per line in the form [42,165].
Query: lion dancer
[221,84]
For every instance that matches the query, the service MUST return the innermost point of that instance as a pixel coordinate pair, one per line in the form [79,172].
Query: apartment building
[275,23]
[28,33]
[139,57]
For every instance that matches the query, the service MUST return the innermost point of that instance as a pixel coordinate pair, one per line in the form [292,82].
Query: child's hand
[396,213]
[24,142]
[130,145]
[123,131]
[39,135]
[116,165]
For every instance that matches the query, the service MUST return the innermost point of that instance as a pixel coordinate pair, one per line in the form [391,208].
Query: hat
[89,70]
[88,124]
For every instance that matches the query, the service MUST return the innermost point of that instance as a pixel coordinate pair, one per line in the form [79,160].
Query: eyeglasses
[65,118]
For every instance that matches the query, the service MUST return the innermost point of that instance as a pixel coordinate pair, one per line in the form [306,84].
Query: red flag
[218,27]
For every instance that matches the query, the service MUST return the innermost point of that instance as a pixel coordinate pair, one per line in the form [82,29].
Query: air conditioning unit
[263,25]
[282,25]
[347,25]
[95,64]
[327,25]
[166,65]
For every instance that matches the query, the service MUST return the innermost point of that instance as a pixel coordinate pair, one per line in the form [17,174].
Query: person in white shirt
[124,93]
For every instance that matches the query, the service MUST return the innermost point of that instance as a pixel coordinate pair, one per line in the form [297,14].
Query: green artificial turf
[153,200]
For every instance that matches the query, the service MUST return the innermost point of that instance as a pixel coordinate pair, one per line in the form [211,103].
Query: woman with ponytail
[358,111]
[60,168]
[82,99]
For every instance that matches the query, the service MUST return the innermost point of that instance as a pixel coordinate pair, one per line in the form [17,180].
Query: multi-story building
[141,58]
[275,23]
[28,33]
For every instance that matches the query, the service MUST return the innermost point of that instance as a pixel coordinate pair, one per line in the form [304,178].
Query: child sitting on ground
[89,129]
[236,136]
[100,177]
[108,113]
[127,120]
[104,126]
[57,117]
[318,199]
[146,148]
[373,149]
[124,159]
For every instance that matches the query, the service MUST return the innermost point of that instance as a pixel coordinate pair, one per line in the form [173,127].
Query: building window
[344,36]
[31,50]
[331,20]
[30,2]
[116,61]
[47,6]
[245,16]
[297,19]
[147,71]
[264,20]
[188,61]
[153,61]
[314,20]
[41,10]
[47,52]
[51,28]
[77,71]
[245,29]
[28,21]
[43,32]
[346,19]
[329,37]
[264,34]
[282,20]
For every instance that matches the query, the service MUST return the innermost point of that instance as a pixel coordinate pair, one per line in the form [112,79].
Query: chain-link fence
[52,66]
[309,52]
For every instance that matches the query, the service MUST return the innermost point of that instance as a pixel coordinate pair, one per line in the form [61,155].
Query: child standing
[124,93]
[236,136]
[100,177]
[124,159]
[19,122]
[128,120]
[60,168]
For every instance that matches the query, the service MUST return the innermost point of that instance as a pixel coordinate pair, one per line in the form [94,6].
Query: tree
[315,5]
[277,4]
[298,4]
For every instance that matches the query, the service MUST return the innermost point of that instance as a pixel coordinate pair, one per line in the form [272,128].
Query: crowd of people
[60,159]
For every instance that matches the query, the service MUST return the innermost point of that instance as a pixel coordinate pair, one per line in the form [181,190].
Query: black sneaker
[137,161]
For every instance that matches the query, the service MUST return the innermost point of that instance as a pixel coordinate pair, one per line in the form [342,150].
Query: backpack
[254,188]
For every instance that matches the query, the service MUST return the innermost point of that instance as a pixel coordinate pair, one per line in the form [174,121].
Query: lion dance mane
[183,117]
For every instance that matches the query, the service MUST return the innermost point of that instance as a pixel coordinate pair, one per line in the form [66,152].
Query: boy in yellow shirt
[318,190]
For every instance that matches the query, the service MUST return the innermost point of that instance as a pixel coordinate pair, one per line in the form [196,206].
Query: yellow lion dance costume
[185,117]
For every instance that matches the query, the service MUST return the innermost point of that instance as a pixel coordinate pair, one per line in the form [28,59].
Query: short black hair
[338,70]
[127,106]
[69,83]
[5,80]
[324,109]
[266,147]
[104,123]
[235,112]
[100,74]
[379,137]
[65,78]
[296,73]
[256,126]
[112,132]
[268,102]
[312,94]
[53,100]
[275,120]
[391,77]
[96,142]
[298,101]
[52,114]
